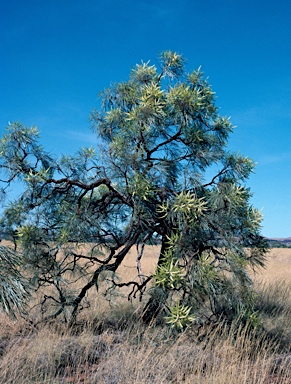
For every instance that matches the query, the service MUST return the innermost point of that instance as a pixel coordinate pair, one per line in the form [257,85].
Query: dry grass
[139,355]
[278,266]
[274,294]
[112,346]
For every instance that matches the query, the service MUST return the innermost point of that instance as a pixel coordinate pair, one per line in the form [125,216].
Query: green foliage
[14,287]
[164,174]
[180,317]
[168,274]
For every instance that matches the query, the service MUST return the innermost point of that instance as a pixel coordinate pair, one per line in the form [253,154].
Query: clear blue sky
[57,55]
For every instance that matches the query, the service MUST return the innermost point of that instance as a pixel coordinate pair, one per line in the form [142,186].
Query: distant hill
[279,242]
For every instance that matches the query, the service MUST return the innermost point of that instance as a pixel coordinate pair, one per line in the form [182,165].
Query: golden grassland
[110,345]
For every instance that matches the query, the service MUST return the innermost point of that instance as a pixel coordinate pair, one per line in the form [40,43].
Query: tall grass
[141,355]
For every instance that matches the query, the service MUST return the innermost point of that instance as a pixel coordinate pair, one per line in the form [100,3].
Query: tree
[162,174]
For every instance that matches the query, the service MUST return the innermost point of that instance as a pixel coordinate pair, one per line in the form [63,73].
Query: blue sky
[57,55]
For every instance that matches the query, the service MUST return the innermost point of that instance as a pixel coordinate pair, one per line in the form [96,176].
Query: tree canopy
[159,173]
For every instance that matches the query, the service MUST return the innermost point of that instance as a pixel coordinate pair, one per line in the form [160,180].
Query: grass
[110,345]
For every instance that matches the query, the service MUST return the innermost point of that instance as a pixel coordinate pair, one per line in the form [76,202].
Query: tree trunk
[157,300]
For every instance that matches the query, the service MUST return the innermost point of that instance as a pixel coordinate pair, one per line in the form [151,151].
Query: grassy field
[110,345]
